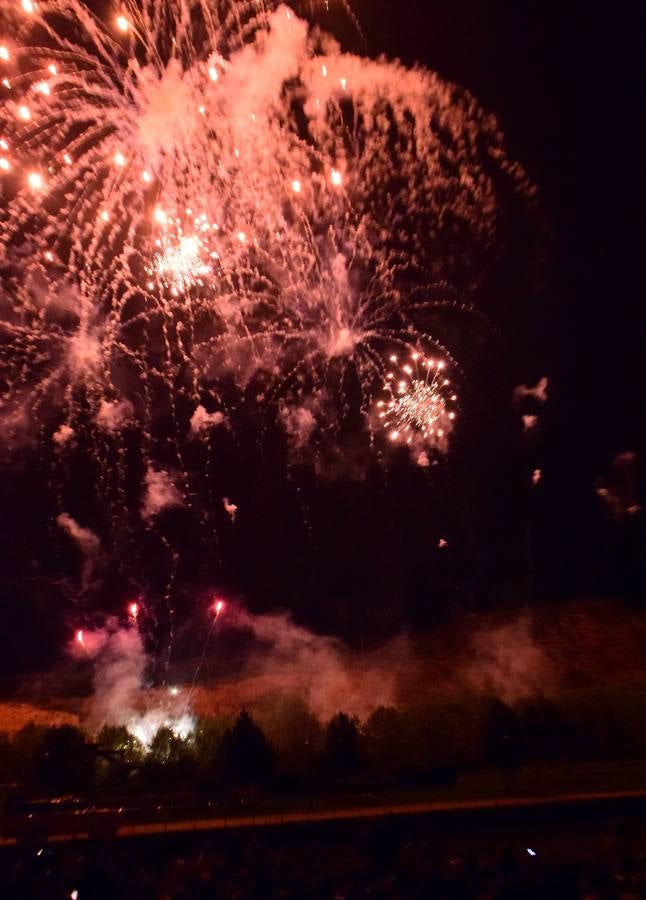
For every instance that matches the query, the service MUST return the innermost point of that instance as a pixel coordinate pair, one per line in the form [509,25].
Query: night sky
[360,558]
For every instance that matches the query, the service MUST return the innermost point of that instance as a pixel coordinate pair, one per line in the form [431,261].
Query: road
[90,825]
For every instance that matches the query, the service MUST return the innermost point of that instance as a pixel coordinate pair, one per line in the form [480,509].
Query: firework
[205,202]
[419,403]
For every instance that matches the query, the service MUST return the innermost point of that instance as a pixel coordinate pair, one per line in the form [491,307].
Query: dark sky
[362,559]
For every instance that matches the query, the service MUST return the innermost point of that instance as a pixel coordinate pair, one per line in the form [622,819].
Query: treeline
[287,747]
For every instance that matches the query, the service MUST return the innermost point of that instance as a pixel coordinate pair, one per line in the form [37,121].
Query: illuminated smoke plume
[317,668]
[88,543]
[120,693]
[509,662]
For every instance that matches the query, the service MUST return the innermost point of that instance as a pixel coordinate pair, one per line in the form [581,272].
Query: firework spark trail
[204,194]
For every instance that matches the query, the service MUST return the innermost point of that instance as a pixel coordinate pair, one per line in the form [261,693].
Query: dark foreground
[595,851]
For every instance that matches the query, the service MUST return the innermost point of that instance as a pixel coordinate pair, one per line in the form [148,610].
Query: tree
[117,740]
[342,756]
[24,748]
[382,735]
[297,735]
[209,733]
[245,756]
[64,761]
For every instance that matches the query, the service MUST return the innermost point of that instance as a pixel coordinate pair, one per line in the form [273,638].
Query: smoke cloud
[538,392]
[509,663]
[318,668]
[161,493]
[201,420]
[88,543]
[113,416]
[120,664]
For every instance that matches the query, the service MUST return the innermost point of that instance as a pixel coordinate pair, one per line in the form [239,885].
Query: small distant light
[74,895]
[4,144]
[28,6]
[296,186]
[174,691]
[147,177]
[4,53]
[242,237]
[213,73]
[394,435]
[43,88]
[531,852]
[49,256]
[122,23]
[6,83]
[52,69]
[324,71]
[337,178]
[105,215]
[343,82]
[201,110]
[160,216]
[119,159]
[4,164]
[35,180]
[79,636]
[23,112]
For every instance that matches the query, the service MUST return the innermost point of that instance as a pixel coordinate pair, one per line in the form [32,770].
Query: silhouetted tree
[383,739]
[167,748]
[209,733]
[64,761]
[118,740]
[24,751]
[245,757]
[297,735]
[342,756]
